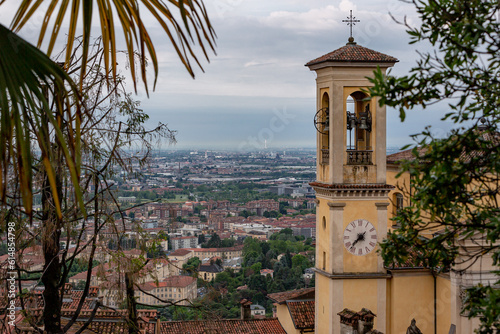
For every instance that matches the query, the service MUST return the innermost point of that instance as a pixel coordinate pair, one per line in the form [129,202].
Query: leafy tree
[251,245]
[228,242]
[214,241]
[192,265]
[250,258]
[300,261]
[256,267]
[454,179]
[286,231]
[244,213]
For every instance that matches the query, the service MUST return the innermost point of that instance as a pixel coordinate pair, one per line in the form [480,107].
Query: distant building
[265,272]
[172,289]
[257,311]
[224,253]
[183,242]
[208,271]
[308,231]
[126,199]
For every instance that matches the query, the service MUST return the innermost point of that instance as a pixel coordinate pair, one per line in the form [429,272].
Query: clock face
[360,237]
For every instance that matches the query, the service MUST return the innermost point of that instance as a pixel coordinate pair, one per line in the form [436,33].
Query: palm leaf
[193,29]
[27,78]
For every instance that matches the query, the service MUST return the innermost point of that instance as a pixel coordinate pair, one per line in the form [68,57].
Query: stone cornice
[358,191]
[353,275]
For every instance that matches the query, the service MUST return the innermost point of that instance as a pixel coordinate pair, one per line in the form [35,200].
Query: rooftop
[302,313]
[254,326]
[353,52]
[282,297]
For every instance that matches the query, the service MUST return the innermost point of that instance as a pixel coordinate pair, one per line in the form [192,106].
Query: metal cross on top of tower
[351,21]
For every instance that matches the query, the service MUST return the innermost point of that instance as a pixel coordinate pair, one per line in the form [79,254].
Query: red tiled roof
[353,52]
[490,137]
[179,281]
[403,155]
[282,297]
[412,261]
[180,252]
[302,313]
[254,326]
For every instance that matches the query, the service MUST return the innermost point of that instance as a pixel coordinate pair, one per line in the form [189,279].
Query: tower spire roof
[353,52]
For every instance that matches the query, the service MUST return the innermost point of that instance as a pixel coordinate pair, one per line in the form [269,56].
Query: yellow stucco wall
[361,293]
[285,319]
[323,308]
[322,236]
[412,297]
[443,304]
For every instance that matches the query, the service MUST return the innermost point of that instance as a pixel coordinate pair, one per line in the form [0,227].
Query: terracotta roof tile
[180,252]
[179,281]
[490,137]
[302,313]
[282,297]
[353,52]
[412,261]
[403,155]
[254,326]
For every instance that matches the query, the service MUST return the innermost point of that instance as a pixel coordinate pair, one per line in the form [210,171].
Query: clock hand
[361,237]
[357,239]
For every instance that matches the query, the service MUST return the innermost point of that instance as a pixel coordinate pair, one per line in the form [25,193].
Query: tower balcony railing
[359,157]
[325,156]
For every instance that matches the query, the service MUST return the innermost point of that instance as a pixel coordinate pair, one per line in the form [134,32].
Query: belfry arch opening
[325,134]
[358,129]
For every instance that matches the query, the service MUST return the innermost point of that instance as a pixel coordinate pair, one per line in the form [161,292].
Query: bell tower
[350,186]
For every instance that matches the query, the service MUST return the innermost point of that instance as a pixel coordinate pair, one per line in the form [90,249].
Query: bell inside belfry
[363,121]
[327,121]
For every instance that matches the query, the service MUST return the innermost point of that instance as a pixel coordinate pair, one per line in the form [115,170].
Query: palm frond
[27,78]
[188,25]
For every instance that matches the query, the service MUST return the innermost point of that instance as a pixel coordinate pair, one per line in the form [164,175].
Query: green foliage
[214,242]
[192,265]
[155,251]
[455,179]
[300,261]
[256,267]
[228,242]
[79,266]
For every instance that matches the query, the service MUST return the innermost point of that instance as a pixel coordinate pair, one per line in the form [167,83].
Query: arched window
[325,129]
[359,129]
[324,223]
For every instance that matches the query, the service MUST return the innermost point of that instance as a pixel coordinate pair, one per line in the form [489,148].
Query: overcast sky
[256,90]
